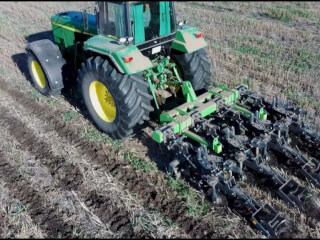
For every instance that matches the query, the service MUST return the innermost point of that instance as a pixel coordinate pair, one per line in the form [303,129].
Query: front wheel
[39,78]
[115,102]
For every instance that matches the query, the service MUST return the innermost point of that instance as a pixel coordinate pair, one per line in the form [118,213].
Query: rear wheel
[38,77]
[194,67]
[115,102]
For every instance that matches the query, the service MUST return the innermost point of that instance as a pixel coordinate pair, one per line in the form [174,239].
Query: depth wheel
[115,102]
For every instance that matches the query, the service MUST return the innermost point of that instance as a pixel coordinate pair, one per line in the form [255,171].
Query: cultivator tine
[307,139]
[219,175]
[292,193]
[291,116]
[255,158]
[276,132]
[226,132]
[311,171]
[268,221]
[289,191]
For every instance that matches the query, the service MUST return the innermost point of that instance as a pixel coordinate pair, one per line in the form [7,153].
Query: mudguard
[51,61]
[186,40]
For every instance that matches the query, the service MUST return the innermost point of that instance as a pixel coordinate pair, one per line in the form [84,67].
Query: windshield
[112,19]
[150,20]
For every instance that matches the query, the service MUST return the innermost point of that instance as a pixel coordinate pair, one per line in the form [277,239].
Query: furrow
[45,216]
[15,222]
[68,175]
[96,184]
[173,207]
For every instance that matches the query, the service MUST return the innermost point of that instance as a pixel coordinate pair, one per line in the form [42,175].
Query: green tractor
[134,60]
[131,58]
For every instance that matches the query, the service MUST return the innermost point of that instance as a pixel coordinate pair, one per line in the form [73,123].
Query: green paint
[217,146]
[138,23]
[179,120]
[262,114]
[230,96]
[73,22]
[186,40]
[182,125]
[165,117]
[242,110]
[210,109]
[64,28]
[158,136]
[197,138]
[188,92]
[116,52]
[151,87]
[157,76]
[165,19]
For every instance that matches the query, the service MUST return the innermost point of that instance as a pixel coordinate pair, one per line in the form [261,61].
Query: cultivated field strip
[66,203]
[3,222]
[15,221]
[171,205]
[69,176]
[86,223]
[95,181]
[45,216]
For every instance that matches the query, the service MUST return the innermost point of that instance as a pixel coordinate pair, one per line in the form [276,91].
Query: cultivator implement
[221,135]
[285,121]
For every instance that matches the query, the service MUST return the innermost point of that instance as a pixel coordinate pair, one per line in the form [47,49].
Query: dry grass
[271,46]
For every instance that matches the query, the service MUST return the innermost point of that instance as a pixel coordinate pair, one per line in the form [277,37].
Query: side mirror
[85,19]
[180,23]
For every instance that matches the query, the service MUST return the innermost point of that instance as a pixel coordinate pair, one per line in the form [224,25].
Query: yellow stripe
[71,29]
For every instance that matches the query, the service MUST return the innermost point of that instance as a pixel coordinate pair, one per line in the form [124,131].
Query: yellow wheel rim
[102,101]
[38,74]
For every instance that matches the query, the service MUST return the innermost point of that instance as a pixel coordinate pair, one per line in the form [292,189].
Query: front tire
[39,78]
[194,67]
[116,103]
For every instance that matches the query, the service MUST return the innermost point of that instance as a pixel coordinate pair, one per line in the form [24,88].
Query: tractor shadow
[157,152]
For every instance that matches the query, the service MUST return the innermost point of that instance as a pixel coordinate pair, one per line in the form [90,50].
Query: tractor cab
[143,23]
[131,34]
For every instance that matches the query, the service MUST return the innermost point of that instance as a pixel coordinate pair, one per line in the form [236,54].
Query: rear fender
[116,52]
[186,40]
[51,60]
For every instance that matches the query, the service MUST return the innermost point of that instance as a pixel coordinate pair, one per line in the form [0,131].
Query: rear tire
[194,67]
[129,105]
